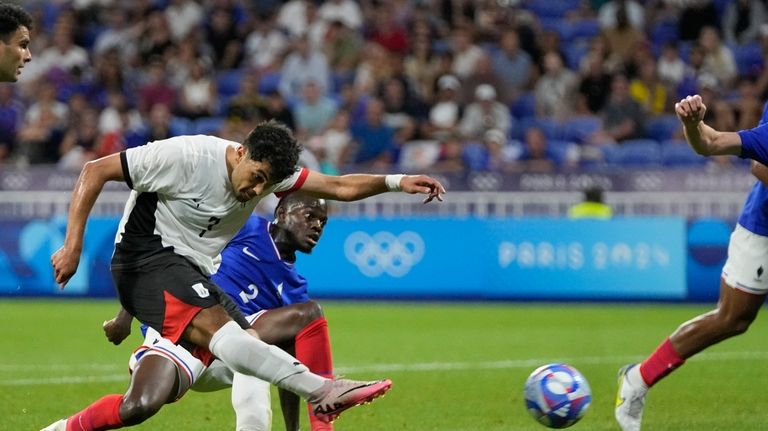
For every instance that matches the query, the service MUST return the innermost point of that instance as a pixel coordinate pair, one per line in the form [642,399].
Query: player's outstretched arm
[354,187]
[88,187]
[702,138]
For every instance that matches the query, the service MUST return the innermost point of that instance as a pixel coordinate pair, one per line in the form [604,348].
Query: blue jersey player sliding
[257,272]
[743,284]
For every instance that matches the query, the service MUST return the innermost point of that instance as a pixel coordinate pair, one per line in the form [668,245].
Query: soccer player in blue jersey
[743,284]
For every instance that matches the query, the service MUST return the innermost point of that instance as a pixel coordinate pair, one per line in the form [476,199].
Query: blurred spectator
[401,109]
[225,38]
[276,108]
[484,113]
[465,53]
[600,49]
[594,87]
[342,47]
[39,138]
[718,58]
[547,41]
[118,34]
[388,33]
[333,145]
[292,17]
[483,74]
[501,156]
[79,142]
[446,111]
[118,115]
[451,157]
[182,58]
[265,45]
[592,207]
[63,55]
[634,12]
[512,65]
[372,69]
[11,115]
[156,89]
[622,116]
[742,20]
[155,37]
[301,65]
[671,68]
[747,106]
[183,16]
[554,89]
[346,11]
[374,141]
[247,103]
[159,124]
[623,37]
[198,96]
[421,68]
[313,111]
[536,155]
[648,90]
[694,16]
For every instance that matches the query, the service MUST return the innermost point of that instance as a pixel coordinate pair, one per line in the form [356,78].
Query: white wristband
[393,182]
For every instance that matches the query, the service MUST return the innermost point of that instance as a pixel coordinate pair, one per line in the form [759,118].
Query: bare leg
[154,382]
[735,311]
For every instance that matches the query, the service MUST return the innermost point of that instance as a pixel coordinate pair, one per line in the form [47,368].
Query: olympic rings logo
[384,252]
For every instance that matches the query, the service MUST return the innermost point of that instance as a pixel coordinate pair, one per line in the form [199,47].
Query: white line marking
[415,367]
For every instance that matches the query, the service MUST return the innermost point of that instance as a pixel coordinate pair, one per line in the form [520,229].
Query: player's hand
[64,262]
[116,330]
[423,184]
[691,110]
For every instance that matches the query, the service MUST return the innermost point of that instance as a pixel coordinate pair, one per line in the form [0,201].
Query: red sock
[313,349]
[103,414]
[661,362]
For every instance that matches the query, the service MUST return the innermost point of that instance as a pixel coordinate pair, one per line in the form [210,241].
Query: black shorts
[164,291]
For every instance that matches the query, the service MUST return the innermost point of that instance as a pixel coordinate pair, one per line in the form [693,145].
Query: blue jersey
[252,273]
[754,215]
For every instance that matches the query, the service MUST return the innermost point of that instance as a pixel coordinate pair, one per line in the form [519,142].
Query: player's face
[14,53]
[305,223]
[249,178]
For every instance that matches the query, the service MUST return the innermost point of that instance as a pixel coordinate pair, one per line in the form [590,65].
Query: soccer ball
[557,395]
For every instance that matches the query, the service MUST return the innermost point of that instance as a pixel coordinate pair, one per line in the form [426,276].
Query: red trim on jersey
[178,314]
[299,182]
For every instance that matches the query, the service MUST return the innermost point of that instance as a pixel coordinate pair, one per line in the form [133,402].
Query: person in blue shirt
[257,272]
[744,282]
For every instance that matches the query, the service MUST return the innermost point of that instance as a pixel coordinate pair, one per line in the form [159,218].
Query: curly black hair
[273,142]
[11,18]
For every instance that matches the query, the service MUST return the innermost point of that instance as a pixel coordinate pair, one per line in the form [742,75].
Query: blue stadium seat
[228,82]
[749,58]
[524,106]
[676,152]
[582,29]
[181,126]
[559,149]
[269,82]
[577,129]
[633,152]
[208,125]
[551,128]
[574,52]
[552,8]
[662,32]
[475,155]
[662,127]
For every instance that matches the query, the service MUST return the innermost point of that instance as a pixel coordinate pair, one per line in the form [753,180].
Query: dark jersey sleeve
[232,309]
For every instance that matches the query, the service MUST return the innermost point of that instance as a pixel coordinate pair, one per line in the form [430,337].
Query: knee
[135,410]
[308,312]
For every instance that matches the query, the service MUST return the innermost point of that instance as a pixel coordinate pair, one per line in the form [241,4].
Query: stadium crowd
[399,85]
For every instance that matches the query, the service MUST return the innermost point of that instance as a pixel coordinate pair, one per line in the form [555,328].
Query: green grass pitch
[455,367]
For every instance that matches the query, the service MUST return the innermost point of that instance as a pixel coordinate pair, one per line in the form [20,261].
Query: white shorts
[747,265]
[155,344]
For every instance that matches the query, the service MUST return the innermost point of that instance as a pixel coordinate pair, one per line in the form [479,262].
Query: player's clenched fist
[691,110]
[64,263]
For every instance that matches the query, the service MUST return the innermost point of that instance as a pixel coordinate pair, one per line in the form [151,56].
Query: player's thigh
[165,292]
[281,325]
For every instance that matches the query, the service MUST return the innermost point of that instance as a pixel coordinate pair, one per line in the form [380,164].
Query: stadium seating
[675,152]
[475,155]
[662,127]
[749,58]
[418,155]
[208,125]
[228,82]
[181,126]
[524,106]
[577,129]
[560,150]
[633,153]
[269,82]
[553,8]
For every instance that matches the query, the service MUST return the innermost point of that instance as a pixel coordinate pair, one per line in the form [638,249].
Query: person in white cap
[485,113]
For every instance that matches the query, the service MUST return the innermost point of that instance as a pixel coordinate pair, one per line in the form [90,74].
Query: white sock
[636,379]
[251,401]
[250,356]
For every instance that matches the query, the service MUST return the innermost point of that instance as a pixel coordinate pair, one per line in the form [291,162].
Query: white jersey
[182,200]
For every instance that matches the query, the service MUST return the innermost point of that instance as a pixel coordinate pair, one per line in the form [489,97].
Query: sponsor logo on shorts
[201,290]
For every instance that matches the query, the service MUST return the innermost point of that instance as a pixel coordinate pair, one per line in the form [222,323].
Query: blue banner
[416,258]
[500,259]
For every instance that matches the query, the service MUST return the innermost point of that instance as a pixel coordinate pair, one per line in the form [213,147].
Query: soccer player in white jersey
[15,24]
[743,284]
[190,195]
